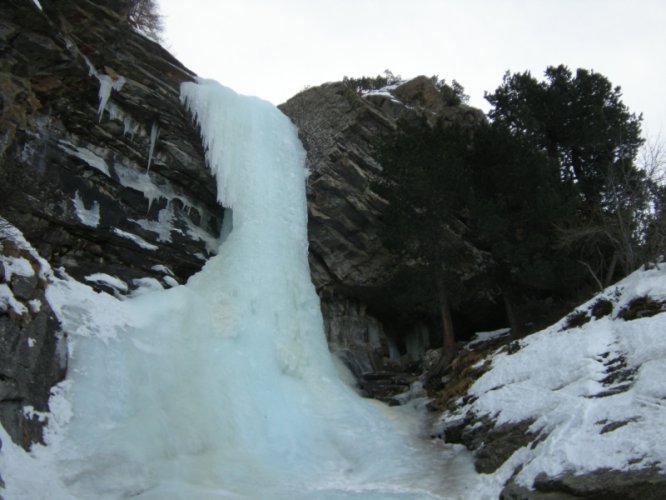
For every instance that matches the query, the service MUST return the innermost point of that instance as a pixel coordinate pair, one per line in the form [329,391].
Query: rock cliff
[101,170]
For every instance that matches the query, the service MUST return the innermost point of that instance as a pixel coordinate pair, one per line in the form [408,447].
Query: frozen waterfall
[224,387]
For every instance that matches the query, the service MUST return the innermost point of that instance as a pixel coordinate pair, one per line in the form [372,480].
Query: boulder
[602,484]
[33,350]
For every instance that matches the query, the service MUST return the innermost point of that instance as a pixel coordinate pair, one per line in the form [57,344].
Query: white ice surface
[106,279]
[107,83]
[135,238]
[88,216]
[163,226]
[88,156]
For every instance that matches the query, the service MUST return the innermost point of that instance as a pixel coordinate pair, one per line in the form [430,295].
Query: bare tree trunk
[517,330]
[611,269]
[448,335]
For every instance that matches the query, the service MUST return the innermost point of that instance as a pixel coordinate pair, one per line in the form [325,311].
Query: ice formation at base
[224,387]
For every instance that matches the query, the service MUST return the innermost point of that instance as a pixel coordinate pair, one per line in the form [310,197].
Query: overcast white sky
[274,48]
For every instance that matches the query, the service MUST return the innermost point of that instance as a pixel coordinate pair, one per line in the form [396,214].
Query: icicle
[130,127]
[106,84]
[154,134]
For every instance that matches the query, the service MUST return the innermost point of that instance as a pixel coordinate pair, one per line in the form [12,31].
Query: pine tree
[426,183]
[580,122]
[518,203]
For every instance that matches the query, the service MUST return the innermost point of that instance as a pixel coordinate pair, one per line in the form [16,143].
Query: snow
[106,279]
[16,266]
[486,336]
[144,285]
[169,281]
[161,268]
[88,216]
[162,226]
[37,4]
[135,238]
[9,232]
[8,301]
[558,380]
[87,156]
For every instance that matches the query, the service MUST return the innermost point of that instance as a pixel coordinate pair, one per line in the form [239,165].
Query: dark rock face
[342,132]
[102,171]
[101,167]
[644,484]
[33,352]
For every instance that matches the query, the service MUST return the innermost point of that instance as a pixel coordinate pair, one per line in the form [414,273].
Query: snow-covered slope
[589,392]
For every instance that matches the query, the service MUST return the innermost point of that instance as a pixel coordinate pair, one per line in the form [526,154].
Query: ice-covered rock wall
[224,386]
[101,167]
[102,171]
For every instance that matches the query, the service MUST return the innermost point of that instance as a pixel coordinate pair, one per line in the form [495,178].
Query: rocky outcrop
[342,131]
[33,351]
[493,445]
[101,170]
[572,411]
[356,338]
[603,484]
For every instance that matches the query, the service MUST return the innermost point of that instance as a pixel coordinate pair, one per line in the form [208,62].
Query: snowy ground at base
[596,393]
[224,387]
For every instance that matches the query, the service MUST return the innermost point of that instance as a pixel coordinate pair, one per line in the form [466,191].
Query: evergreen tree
[426,182]
[580,122]
[518,203]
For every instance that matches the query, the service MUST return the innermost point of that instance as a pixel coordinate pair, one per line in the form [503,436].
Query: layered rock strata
[102,172]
